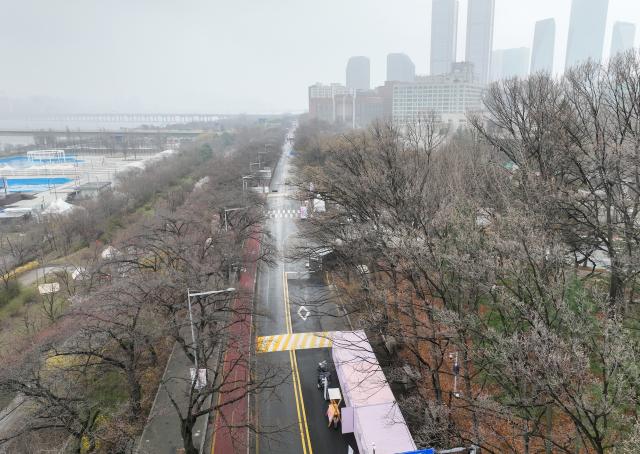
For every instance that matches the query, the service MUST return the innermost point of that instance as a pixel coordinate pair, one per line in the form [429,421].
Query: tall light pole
[193,333]
[456,372]
[229,210]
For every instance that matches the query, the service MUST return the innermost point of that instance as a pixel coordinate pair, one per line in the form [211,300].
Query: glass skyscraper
[480,14]
[358,73]
[444,31]
[586,31]
[544,41]
[400,68]
[624,33]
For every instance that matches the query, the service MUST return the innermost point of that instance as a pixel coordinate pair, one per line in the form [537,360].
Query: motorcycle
[324,377]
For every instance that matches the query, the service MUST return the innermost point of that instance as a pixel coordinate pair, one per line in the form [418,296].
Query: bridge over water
[137,118]
[84,133]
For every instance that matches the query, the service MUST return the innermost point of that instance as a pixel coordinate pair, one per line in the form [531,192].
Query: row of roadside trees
[91,375]
[501,262]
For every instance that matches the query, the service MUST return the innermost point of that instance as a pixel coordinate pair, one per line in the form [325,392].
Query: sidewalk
[162,434]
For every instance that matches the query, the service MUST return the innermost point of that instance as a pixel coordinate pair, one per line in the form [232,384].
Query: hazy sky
[228,55]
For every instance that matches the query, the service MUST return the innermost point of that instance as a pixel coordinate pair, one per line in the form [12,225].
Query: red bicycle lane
[231,428]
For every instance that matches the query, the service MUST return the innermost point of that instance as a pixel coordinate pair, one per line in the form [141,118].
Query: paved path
[31,276]
[162,434]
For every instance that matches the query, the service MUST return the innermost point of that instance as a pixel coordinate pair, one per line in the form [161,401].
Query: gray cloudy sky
[227,55]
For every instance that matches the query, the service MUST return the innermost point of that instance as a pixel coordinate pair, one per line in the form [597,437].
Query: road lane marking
[297,388]
[293,341]
[304,411]
[294,376]
[304,313]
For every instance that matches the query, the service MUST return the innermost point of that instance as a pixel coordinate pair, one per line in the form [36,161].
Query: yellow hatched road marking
[293,341]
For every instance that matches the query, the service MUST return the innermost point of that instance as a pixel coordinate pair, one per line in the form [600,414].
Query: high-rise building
[586,31]
[544,40]
[444,31]
[495,73]
[400,68]
[515,62]
[358,73]
[624,34]
[480,15]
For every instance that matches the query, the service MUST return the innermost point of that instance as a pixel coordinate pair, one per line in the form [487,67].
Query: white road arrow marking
[303,312]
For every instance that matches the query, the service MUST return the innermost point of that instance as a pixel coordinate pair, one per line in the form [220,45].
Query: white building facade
[450,97]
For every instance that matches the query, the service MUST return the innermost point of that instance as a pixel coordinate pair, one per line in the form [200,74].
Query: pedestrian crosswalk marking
[295,341]
[282,213]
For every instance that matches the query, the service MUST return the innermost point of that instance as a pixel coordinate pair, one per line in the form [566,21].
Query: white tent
[109,253]
[58,207]
[136,165]
[79,274]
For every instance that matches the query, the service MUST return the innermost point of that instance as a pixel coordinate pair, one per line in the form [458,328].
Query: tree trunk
[187,435]
[547,444]
[136,394]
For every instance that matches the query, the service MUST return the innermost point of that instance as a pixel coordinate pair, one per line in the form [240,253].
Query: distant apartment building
[358,73]
[322,101]
[335,103]
[400,68]
[444,32]
[369,107]
[480,17]
[544,40]
[586,31]
[624,34]
[508,63]
[450,97]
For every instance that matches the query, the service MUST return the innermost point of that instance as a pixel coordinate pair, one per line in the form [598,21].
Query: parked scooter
[324,377]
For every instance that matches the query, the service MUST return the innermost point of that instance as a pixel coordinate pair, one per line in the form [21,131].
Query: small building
[91,190]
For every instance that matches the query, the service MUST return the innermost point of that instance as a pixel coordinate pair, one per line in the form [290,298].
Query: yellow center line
[302,421]
[295,393]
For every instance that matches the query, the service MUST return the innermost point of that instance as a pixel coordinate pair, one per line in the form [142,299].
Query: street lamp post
[229,210]
[193,333]
[260,153]
[456,372]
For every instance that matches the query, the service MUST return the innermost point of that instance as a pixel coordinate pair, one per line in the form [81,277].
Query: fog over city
[319,227]
[230,56]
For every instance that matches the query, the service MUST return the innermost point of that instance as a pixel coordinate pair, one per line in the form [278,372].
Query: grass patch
[109,390]
[13,302]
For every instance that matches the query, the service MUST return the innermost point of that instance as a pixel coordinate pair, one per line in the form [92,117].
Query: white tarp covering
[377,420]
[46,289]
[109,253]
[58,207]
[79,274]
